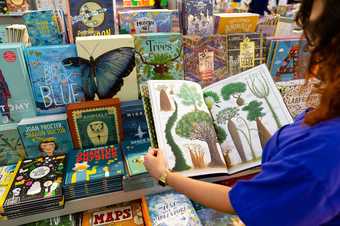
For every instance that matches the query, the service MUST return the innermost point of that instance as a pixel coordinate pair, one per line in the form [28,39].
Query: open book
[219,129]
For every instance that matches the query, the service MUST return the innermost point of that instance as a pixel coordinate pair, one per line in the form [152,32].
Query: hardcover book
[147,21]
[227,23]
[212,130]
[170,208]
[159,56]
[113,67]
[54,84]
[198,17]
[16,99]
[45,135]
[95,123]
[17,5]
[205,60]
[91,17]
[11,147]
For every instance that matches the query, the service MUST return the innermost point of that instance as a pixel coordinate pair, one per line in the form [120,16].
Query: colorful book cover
[38,180]
[134,3]
[136,138]
[94,164]
[43,28]
[11,147]
[227,23]
[113,67]
[16,99]
[146,21]
[198,17]
[159,56]
[204,58]
[45,135]
[67,220]
[3,7]
[170,208]
[91,17]
[17,5]
[54,84]
[51,4]
[123,214]
[3,38]
[95,123]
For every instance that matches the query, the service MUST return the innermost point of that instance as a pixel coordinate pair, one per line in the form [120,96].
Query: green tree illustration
[190,96]
[211,98]
[234,90]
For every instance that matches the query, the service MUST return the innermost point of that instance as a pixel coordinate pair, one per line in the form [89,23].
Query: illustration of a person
[48,146]
[5,95]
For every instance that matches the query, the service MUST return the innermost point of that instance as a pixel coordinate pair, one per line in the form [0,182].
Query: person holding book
[299,184]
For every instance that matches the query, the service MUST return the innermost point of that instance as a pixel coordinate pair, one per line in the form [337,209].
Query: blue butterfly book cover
[54,84]
[159,56]
[146,21]
[92,17]
[45,135]
[94,164]
[43,28]
[16,98]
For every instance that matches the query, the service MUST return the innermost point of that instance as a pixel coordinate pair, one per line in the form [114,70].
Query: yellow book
[226,23]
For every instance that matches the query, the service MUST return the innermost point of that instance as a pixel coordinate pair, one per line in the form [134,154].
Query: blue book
[16,99]
[45,135]
[43,27]
[54,84]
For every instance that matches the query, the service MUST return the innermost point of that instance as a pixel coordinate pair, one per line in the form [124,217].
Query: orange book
[226,23]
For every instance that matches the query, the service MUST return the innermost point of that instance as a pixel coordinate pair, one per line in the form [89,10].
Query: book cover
[11,147]
[45,135]
[3,7]
[113,67]
[146,21]
[37,180]
[159,56]
[198,17]
[134,3]
[17,5]
[170,208]
[3,38]
[43,27]
[123,214]
[16,99]
[67,220]
[93,165]
[51,4]
[226,23]
[54,84]
[95,123]
[91,17]
[204,58]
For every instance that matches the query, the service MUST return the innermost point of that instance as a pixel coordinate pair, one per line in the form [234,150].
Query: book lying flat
[221,128]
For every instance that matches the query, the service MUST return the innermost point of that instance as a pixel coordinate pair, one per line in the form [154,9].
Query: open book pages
[219,129]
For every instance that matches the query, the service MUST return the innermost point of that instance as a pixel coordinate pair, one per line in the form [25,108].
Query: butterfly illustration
[104,75]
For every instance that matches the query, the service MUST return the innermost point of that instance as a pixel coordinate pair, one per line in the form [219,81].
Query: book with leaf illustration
[221,128]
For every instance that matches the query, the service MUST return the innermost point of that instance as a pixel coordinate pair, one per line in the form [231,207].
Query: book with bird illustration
[221,128]
[45,135]
[95,123]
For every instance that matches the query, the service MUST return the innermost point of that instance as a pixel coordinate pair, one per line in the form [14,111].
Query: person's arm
[210,195]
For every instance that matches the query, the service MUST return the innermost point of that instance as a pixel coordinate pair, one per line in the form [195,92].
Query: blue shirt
[299,184]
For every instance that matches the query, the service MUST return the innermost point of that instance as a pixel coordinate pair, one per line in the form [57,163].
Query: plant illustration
[235,90]
[255,113]
[224,117]
[247,136]
[211,98]
[180,163]
[221,137]
[262,92]
[190,96]
[198,125]
[197,155]
[10,147]
[164,101]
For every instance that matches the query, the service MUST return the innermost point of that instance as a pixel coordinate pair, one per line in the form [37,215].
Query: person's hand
[155,163]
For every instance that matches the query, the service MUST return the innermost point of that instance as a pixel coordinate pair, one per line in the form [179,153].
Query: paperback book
[15,6]
[227,23]
[221,128]
[45,135]
[54,83]
[16,98]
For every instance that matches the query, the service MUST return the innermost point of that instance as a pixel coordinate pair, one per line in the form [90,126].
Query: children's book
[226,23]
[16,98]
[3,7]
[51,4]
[3,38]
[159,56]
[54,83]
[123,214]
[113,67]
[205,60]
[45,135]
[11,147]
[67,220]
[147,21]
[134,3]
[89,18]
[17,5]
[171,208]
[198,17]
[221,128]
[95,123]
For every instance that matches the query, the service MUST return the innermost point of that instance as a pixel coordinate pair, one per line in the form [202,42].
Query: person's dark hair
[323,37]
